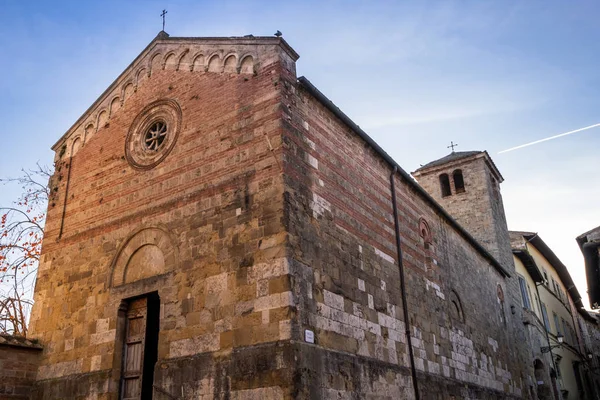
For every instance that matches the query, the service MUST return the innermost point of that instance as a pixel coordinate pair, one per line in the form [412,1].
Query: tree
[21,235]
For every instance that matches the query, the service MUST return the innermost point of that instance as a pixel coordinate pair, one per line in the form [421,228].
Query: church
[219,229]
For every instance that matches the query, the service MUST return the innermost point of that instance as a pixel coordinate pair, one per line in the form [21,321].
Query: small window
[500,293]
[545,315]
[456,311]
[495,187]
[556,323]
[524,293]
[445,185]
[566,332]
[459,183]
[425,232]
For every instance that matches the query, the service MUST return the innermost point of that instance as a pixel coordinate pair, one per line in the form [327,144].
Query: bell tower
[467,185]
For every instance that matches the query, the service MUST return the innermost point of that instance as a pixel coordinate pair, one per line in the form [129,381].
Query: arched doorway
[544,388]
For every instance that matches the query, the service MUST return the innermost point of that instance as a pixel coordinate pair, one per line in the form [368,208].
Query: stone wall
[203,229]
[339,214]
[19,360]
[265,220]
[480,210]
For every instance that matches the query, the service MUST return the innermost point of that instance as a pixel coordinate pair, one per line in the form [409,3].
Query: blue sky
[414,75]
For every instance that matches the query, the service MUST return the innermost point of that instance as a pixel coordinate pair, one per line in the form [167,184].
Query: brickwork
[204,228]
[339,212]
[479,208]
[266,220]
[19,360]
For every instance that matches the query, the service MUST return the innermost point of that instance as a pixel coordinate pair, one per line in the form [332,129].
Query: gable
[185,55]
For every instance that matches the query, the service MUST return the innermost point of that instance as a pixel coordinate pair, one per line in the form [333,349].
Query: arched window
[456,310]
[445,185]
[459,183]
[425,232]
[500,293]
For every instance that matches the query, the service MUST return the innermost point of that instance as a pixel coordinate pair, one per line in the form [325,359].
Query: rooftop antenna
[452,146]
[164,12]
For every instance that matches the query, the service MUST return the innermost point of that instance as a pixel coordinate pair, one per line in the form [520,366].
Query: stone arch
[445,185]
[214,64]
[459,182]
[230,64]
[76,145]
[500,294]
[170,61]
[456,308]
[197,63]
[247,64]
[182,60]
[540,373]
[128,90]
[141,75]
[147,252]
[88,130]
[425,232]
[89,127]
[155,63]
[115,104]
[102,119]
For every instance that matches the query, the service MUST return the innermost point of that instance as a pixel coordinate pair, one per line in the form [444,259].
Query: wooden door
[135,340]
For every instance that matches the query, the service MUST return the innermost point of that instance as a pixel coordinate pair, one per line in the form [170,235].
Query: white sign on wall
[309,336]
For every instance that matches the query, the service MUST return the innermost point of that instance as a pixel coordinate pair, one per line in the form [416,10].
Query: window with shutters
[567,332]
[524,293]
[545,316]
[140,348]
[556,324]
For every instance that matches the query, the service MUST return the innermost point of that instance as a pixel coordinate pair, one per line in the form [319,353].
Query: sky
[487,75]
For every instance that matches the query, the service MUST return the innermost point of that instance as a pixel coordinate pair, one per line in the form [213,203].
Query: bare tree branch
[21,235]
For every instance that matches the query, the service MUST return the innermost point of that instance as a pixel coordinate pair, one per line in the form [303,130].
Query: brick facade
[209,219]
[19,360]
[269,220]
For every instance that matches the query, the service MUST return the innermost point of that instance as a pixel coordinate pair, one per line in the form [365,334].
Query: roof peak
[162,35]
[191,54]
[460,155]
[453,156]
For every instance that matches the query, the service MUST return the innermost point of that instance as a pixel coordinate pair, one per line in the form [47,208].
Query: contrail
[549,138]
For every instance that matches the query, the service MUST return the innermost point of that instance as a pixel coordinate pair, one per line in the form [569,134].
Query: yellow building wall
[557,302]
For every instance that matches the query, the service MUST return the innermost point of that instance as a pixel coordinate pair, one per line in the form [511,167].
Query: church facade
[220,229]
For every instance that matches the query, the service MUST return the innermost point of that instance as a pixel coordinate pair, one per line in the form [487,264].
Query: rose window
[155,135]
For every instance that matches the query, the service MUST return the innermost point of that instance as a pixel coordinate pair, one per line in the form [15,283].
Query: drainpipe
[537,290]
[64,209]
[413,369]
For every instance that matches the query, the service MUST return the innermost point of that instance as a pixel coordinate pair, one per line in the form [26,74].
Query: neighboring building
[589,243]
[19,359]
[559,305]
[589,326]
[534,315]
[219,229]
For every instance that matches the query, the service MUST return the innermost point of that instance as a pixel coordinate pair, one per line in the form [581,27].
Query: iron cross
[163,17]
[452,145]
